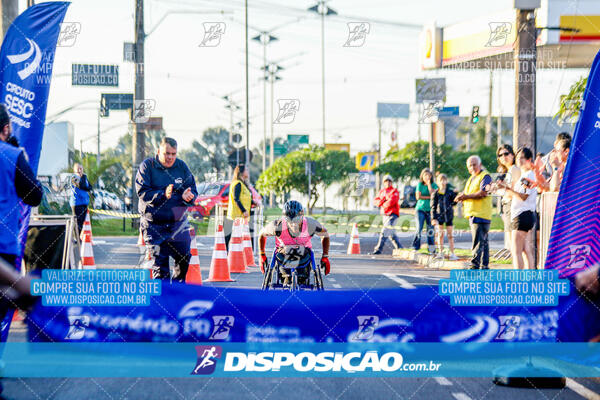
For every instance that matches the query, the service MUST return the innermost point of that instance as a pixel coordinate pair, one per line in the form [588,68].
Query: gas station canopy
[487,42]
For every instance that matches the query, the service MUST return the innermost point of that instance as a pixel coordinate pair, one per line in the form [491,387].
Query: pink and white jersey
[285,239]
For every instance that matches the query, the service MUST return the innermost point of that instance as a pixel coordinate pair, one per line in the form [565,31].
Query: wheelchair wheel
[267,279]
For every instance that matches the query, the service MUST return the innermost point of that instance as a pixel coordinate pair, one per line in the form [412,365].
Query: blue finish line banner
[190,313]
[197,360]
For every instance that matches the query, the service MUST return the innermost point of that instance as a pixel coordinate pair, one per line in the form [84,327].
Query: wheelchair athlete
[293,234]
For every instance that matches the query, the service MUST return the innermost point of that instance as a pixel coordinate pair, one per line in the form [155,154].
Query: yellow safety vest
[481,208]
[233,211]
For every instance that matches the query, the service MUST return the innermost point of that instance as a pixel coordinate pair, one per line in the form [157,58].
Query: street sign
[153,124]
[338,146]
[366,180]
[236,138]
[279,149]
[448,112]
[366,161]
[392,110]
[128,52]
[117,101]
[238,156]
[94,75]
[294,142]
[431,90]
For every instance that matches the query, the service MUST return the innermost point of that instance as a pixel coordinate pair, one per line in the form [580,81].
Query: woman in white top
[510,174]
[522,210]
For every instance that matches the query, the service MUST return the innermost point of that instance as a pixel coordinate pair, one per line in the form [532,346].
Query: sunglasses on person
[506,153]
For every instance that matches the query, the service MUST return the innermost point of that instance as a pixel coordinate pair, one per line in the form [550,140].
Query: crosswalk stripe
[442,381]
[461,396]
[402,282]
[582,390]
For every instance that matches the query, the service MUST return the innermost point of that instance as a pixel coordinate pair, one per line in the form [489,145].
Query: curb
[430,261]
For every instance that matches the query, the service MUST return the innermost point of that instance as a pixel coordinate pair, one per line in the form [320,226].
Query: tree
[570,104]
[209,155]
[288,173]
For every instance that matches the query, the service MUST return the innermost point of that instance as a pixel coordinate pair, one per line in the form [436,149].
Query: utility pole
[98,143]
[431,155]
[139,138]
[377,180]
[525,74]
[499,122]
[488,118]
[247,158]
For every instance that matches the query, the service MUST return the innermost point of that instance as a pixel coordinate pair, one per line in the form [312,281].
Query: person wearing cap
[387,201]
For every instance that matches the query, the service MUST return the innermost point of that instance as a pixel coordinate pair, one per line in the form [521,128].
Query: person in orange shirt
[387,201]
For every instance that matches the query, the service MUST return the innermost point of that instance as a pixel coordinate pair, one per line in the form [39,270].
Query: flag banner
[26,60]
[575,238]
[189,313]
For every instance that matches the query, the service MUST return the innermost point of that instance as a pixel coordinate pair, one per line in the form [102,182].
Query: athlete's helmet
[292,209]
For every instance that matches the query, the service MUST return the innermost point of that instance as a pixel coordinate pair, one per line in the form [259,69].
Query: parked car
[212,194]
[408,197]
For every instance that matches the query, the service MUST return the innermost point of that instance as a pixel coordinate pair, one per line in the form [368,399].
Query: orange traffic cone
[87,252]
[248,254]
[354,245]
[194,275]
[87,227]
[145,258]
[236,259]
[219,268]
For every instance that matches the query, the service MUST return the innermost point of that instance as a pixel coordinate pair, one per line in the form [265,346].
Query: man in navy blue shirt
[166,188]
[17,182]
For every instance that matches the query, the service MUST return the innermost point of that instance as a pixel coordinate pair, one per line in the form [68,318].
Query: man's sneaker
[375,253]
[452,257]
[439,256]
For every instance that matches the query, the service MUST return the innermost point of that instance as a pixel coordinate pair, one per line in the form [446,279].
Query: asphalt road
[348,272]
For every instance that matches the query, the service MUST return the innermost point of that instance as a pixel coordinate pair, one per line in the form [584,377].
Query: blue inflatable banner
[189,313]
[575,239]
[26,61]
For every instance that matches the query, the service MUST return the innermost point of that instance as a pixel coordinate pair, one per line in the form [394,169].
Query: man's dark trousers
[164,241]
[480,244]
[80,212]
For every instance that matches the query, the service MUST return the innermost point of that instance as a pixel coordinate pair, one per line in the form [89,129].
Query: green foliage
[570,104]
[408,162]
[288,173]
[208,155]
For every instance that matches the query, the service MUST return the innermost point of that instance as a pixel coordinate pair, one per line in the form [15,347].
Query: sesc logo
[30,68]
[207,362]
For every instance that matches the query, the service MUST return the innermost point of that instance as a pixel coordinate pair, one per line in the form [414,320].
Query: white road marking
[331,279]
[443,381]
[402,282]
[582,390]
[337,243]
[95,241]
[461,396]
[336,285]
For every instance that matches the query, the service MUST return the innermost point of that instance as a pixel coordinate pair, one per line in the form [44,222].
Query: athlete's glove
[325,264]
[263,262]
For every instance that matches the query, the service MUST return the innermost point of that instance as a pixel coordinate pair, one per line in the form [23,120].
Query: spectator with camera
[522,210]
[166,188]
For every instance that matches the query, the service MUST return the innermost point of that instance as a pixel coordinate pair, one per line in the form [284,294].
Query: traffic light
[103,107]
[475,115]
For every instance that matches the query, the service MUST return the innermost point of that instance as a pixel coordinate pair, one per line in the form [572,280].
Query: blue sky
[187,81]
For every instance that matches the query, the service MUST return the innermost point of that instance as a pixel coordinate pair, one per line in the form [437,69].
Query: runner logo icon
[366,326]
[77,325]
[222,326]
[287,111]
[579,254]
[30,68]
[206,363]
[212,34]
[357,33]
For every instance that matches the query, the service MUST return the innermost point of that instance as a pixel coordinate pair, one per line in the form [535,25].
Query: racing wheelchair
[293,268]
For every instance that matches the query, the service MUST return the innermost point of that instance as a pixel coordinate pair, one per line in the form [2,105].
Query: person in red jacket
[387,201]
